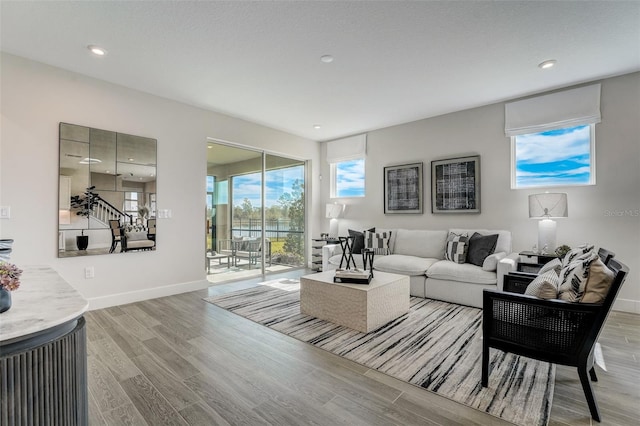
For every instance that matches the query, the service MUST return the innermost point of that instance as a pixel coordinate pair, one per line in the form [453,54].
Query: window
[346,159]
[558,157]
[347,178]
[553,138]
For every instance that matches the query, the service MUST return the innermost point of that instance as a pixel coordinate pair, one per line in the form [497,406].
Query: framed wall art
[403,189]
[455,185]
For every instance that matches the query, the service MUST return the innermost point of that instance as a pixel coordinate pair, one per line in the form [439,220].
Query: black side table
[535,261]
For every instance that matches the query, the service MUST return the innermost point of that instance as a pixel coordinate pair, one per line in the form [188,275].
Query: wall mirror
[107,192]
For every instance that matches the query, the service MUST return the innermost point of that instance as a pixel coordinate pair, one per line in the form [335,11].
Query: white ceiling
[395,62]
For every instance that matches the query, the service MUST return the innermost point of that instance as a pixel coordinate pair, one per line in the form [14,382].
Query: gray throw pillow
[481,246]
[358,240]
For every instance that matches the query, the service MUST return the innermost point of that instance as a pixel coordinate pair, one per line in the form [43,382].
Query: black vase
[82,241]
[5,300]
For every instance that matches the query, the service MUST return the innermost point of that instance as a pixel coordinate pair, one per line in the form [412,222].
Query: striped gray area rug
[437,346]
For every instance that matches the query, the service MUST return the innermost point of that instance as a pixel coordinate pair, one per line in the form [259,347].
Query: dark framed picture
[455,185]
[403,189]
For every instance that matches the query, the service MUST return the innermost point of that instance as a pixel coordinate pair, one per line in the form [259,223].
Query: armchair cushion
[599,282]
[544,286]
[136,235]
[574,277]
[553,265]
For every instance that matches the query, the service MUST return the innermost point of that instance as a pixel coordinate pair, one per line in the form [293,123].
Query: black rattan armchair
[554,331]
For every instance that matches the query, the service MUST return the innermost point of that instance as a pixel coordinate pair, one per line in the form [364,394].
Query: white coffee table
[359,306]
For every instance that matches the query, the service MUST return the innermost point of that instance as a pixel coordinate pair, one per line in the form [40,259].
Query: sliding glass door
[255,213]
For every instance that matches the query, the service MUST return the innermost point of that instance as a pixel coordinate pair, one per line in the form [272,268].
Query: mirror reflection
[107,192]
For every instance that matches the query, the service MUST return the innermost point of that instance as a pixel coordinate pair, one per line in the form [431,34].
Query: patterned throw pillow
[574,277]
[544,286]
[457,245]
[576,253]
[358,240]
[378,242]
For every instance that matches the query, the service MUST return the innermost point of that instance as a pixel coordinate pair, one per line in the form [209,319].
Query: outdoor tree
[293,203]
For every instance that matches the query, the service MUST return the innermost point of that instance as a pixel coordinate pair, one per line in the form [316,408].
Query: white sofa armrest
[328,251]
[506,265]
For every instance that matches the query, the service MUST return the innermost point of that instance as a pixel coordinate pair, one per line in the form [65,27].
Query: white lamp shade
[548,205]
[334,211]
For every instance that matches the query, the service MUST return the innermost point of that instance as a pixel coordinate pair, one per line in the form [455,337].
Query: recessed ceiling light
[326,58]
[317,126]
[547,64]
[130,159]
[97,50]
[210,147]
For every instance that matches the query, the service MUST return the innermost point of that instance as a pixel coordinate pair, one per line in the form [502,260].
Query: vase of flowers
[9,281]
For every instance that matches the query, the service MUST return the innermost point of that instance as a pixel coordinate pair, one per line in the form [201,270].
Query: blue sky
[555,157]
[278,182]
[350,178]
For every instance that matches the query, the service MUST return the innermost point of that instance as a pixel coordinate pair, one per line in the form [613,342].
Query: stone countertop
[43,300]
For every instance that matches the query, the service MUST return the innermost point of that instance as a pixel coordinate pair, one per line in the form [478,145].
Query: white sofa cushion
[404,265]
[465,272]
[420,243]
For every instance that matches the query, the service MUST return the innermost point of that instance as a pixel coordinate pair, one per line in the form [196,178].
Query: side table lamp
[333,212]
[547,207]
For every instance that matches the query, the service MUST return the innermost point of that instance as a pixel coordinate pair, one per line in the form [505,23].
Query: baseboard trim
[150,293]
[627,305]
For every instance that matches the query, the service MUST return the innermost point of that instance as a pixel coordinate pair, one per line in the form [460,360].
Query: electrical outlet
[5,212]
[89,272]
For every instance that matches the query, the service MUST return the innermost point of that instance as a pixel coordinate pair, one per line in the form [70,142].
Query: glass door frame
[263,153]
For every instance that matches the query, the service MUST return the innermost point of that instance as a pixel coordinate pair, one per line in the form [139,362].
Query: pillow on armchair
[136,235]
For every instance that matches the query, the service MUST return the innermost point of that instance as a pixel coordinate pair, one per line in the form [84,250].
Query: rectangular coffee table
[359,306]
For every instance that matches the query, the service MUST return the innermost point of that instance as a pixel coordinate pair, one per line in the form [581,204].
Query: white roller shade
[350,148]
[568,108]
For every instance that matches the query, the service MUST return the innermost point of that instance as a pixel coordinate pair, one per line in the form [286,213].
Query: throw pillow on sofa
[457,245]
[481,246]
[378,242]
[358,240]
[544,286]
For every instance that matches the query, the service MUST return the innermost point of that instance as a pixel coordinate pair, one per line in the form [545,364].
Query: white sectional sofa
[420,254]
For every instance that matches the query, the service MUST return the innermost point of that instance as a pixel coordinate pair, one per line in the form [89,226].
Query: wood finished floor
[181,361]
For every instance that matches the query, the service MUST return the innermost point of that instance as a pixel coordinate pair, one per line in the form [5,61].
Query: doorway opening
[255,220]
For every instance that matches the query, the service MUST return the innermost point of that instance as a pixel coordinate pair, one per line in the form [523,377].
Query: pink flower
[9,276]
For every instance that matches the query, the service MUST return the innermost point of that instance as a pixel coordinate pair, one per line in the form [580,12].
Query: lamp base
[546,236]
[333,228]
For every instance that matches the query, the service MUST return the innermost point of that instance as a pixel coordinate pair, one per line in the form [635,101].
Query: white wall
[36,97]
[592,209]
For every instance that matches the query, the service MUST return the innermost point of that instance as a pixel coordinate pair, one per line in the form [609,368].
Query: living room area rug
[436,346]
